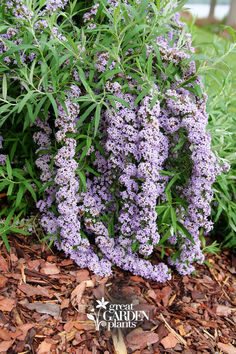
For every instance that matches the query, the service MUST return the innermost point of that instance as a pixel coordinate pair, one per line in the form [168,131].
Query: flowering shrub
[113,112]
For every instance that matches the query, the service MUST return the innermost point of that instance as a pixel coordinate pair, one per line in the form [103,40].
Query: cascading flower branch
[125,162]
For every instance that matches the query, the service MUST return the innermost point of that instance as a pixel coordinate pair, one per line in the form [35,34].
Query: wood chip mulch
[45,299]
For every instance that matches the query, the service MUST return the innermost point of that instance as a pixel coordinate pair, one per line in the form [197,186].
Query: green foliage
[219,76]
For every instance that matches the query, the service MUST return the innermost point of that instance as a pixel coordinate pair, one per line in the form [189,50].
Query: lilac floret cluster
[21,11]
[42,139]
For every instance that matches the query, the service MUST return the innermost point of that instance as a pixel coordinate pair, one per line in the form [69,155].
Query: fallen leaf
[99,291]
[24,330]
[50,269]
[66,262]
[85,325]
[14,257]
[166,292]
[4,334]
[30,290]
[77,293]
[136,278]
[3,281]
[5,345]
[3,265]
[44,307]
[44,348]
[139,339]
[206,279]
[197,295]
[181,330]
[103,280]
[68,326]
[34,264]
[227,348]
[222,310]
[162,331]
[186,299]
[169,342]
[151,293]
[7,304]
[65,303]
[81,275]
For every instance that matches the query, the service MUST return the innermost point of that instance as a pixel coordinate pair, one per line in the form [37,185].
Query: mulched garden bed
[45,298]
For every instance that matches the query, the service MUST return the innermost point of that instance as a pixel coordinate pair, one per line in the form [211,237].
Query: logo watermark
[116,315]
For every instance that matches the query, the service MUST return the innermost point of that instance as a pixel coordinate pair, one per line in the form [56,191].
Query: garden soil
[45,299]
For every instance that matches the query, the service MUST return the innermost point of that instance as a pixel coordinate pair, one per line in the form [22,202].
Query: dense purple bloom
[115,219]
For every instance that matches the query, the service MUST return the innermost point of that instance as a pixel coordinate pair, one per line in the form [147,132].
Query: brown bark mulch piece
[45,299]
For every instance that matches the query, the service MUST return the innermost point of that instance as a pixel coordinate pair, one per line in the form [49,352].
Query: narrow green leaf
[29,168]
[88,144]
[153,101]
[47,237]
[86,114]
[19,196]
[165,216]
[4,86]
[172,181]
[5,240]
[89,169]
[24,100]
[9,217]
[100,148]
[141,95]
[149,65]
[10,188]
[9,168]
[31,190]
[208,263]
[164,238]
[183,229]
[32,71]
[84,81]
[97,118]
[169,196]
[83,180]
[51,241]
[16,49]
[179,145]
[4,184]
[135,246]
[111,73]
[38,107]
[158,55]
[19,231]
[173,219]
[53,102]
[13,150]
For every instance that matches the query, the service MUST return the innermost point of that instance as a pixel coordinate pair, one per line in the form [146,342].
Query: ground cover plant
[104,128]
